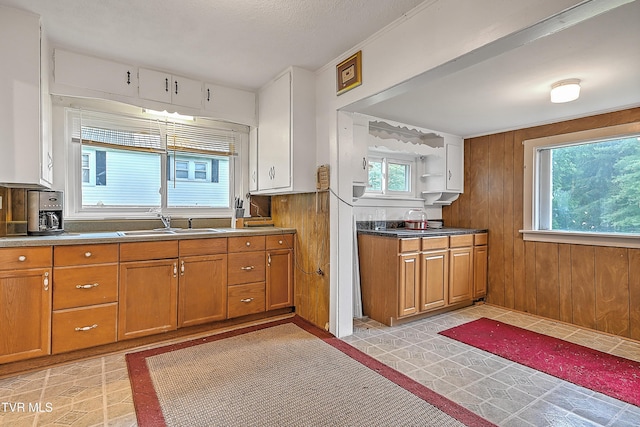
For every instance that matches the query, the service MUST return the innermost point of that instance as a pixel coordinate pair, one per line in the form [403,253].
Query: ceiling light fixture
[565,91]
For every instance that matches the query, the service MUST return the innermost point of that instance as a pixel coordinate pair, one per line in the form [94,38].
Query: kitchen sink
[165,231]
[196,230]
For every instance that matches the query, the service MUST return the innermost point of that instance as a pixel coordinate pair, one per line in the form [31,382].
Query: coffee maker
[44,212]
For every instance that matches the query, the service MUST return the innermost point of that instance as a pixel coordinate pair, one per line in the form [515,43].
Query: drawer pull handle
[247,300]
[87,286]
[22,258]
[248,243]
[87,328]
[45,281]
[248,268]
[87,254]
[280,242]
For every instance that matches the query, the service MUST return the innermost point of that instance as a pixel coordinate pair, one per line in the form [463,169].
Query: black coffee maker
[44,212]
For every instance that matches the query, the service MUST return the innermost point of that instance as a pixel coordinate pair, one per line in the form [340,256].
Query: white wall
[434,33]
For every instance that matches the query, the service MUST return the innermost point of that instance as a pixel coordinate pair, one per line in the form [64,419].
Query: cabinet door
[409,284]
[455,167]
[279,279]
[147,298]
[186,92]
[253,160]
[274,134]
[359,159]
[460,274]
[20,97]
[202,289]
[154,85]
[435,279]
[25,314]
[480,259]
[228,103]
[87,72]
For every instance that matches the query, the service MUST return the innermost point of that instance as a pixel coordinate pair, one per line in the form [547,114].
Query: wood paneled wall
[591,286]
[309,214]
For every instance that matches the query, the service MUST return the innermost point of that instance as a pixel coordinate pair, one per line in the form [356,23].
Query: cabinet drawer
[461,240]
[280,241]
[246,267]
[145,251]
[84,327]
[480,239]
[409,245]
[246,244]
[78,286]
[245,299]
[203,246]
[85,254]
[24,258]
[432,243]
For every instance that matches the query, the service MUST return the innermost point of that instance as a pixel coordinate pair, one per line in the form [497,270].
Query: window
[389,176]
[587,183]
[150,164]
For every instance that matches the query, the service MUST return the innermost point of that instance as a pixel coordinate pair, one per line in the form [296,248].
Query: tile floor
[96,392]
[506,393]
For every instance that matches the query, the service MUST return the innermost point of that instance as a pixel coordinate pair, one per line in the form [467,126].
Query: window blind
[150,134]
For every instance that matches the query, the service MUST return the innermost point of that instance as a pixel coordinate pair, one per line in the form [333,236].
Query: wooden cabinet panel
[279,291]
[435,279]
[409,284]
[25,258]
[279,241]
[78,286]
[141,251]
[203,247]
[480,263]
[202,289]
[408,245]
[147,298]
[246,268]
[431,243]
[246,299]
[247,244]
[25,314]
[84,327]
[460,274]
[85,254]
[461,240]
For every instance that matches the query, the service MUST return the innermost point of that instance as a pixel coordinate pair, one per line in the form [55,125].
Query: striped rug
[283,373]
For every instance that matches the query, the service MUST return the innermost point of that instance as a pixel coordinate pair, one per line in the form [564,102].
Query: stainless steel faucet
[166,220]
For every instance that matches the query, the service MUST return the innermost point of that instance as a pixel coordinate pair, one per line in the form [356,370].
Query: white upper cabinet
[286,134]
[442,171]
[163,87]
[455,165]
[87,72]
[25,145]
[232,104]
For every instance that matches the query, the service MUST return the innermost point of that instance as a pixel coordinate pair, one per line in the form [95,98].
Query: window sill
[578,238]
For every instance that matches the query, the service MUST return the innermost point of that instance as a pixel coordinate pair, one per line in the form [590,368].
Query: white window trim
[399,158]
[530,210]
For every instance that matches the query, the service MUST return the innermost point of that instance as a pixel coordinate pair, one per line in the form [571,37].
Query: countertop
[69,238]
[432,232]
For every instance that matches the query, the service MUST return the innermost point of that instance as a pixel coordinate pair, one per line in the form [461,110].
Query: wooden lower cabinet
[147,298]
[202,289]
[25,314]
[409,284]
[279,286]
[480,266]
[246,299]
[406,277]
[435,279]
[84,327]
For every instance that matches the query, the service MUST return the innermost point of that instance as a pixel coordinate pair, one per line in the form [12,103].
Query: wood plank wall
[309,214]
[591,286]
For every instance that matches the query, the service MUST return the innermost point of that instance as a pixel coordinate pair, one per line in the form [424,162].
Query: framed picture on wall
[349,73]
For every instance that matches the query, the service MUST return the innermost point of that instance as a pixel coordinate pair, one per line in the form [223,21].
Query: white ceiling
[245,43]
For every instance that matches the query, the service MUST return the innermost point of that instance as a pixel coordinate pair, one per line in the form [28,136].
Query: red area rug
[262,343]
[602,372]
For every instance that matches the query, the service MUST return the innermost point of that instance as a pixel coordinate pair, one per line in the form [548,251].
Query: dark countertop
[114,237]
[432,232]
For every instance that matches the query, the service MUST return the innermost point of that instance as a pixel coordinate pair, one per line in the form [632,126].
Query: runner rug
[284,373]
[602,372]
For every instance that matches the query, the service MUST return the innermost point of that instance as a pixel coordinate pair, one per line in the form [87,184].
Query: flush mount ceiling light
[565,91]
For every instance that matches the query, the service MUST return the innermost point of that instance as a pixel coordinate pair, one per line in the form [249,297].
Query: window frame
[63,111]
[385,158]
[531,197]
